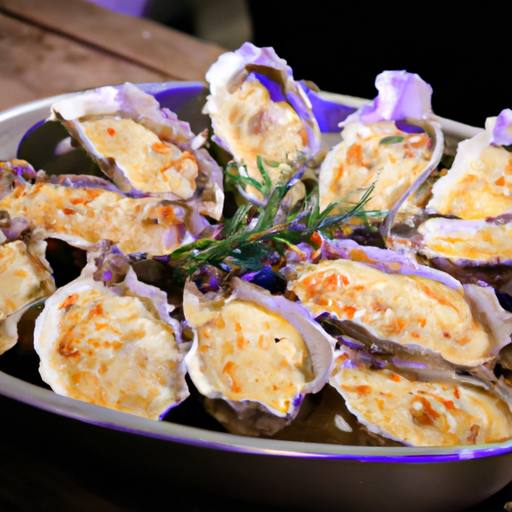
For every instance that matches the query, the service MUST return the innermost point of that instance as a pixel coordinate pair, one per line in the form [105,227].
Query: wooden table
[49,47]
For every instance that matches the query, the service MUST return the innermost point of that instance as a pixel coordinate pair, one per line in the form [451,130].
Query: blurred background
[53,46]
[341,46]
[49,47]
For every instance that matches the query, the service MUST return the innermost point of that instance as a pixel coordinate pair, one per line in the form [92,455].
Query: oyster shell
[477,242]
[420,413]
[258,352]
[83,210]
[25,278]
[472,238]
[110,344]
[145,150]
[405,304]
[258,109]
[364,158]
[478,184]
[392,145]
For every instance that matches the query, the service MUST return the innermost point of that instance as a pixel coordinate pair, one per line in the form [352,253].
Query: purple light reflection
[99,416]
[273,88]
[408,128]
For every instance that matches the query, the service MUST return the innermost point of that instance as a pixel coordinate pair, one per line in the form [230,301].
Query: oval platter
[287,474]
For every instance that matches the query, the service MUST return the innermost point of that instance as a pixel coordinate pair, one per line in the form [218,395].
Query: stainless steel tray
[299,475]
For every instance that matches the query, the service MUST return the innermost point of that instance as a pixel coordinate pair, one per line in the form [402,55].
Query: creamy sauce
[362,160]
[85,216]
[422,413]
[252,125]
[478,185]
[23,278]
[248,353]
[456,239]
[409,310]
[150,164]
[109,350]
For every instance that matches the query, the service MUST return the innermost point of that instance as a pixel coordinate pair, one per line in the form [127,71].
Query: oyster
[25,276]
[260,353]
[469,236]
[111,342]
[479,182]
[379,154]
[83,210]
[420,413]
[481,242]
[258,109]
[145,150]
[391,144]
[379,295]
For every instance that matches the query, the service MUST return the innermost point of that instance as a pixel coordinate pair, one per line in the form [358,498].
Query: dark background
[462,53]
[462,50]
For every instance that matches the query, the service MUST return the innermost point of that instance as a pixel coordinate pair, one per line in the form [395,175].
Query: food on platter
[467,229]
[421,413]
[430,313]
[387,141]
[83,210]
[479,183]
[259,110]
[25,277]
[380,150]
[145,150]
[294,278]
[111,342]
[258,352]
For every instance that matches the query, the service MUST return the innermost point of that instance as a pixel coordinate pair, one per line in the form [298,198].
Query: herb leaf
[392,139]
[256,235]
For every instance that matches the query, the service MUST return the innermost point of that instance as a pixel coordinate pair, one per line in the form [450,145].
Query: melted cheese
[478,185]
[245,352]
[85,216]
[252,125]
[466,240]
[23,280]
[108,350]
[148,163]
[422,413]
[409,310]
[361,160]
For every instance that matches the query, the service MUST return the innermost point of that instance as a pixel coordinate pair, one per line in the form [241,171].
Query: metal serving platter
[289,474]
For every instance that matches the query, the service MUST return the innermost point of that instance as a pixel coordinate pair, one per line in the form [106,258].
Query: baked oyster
[259,353]
[106,338]
[259,110]
[25,275]
[392,145]
[381,296]
[468,232]
[84,210]
[145,150]
[479,182]
[439,412]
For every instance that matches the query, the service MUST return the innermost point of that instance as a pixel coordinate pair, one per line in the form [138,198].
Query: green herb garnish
[256,233]
[392,139]
[237,174]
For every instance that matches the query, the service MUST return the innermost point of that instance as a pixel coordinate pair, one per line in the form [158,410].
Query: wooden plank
[36,63]
[142,41]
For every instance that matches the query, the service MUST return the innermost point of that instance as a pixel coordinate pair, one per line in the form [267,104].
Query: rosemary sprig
[253,236]
[237,175]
